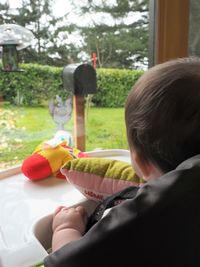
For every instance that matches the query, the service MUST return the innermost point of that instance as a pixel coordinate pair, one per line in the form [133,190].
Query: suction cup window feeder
[13,38]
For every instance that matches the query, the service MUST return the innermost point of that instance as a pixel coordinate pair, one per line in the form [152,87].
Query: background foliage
[194,32]
[117,32]
[38,83]
[114,86]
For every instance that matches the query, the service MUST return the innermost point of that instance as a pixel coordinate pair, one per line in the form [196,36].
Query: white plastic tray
[26,209]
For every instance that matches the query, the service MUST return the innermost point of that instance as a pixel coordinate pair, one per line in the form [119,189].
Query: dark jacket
[159,227]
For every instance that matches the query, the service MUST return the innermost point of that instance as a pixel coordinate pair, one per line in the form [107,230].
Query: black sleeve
[97,235]
[156,228]
[101,243]
[114,238]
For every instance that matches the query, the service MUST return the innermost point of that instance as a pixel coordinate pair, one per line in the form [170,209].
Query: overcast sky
[59,9]
[62,7]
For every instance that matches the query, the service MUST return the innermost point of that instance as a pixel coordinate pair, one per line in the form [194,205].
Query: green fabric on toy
[40,264]
[97,178]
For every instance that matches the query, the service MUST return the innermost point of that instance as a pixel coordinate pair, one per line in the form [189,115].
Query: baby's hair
[162,113]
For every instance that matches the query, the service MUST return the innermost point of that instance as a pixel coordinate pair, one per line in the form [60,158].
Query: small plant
[7,119]
[7,126]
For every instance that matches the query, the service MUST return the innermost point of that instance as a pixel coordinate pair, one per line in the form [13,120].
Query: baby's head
[162,114]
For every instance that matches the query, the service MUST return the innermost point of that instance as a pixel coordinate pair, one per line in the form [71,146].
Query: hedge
[32,85]
[37,83]
[114,86]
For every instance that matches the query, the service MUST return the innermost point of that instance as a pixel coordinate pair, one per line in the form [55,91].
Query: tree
[36,15]
[118,32]
[120,38]
[50,46]
[194,33]
[6,15]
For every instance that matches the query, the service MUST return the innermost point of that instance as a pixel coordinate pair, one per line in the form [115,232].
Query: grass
[105,129]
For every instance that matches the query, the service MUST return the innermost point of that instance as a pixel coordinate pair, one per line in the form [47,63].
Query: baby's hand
[70,218]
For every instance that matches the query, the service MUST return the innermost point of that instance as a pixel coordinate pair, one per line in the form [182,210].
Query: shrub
[114,86]
[31,86]
[38,83]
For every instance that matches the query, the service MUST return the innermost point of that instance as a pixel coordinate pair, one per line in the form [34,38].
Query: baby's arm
[68,224]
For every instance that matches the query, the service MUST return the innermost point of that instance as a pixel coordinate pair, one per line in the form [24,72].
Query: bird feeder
[13,38]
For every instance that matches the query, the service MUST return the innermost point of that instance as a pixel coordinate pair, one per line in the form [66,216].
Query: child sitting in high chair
[160,226]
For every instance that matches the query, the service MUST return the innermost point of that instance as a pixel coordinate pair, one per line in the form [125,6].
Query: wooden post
[79,121]
[172,28]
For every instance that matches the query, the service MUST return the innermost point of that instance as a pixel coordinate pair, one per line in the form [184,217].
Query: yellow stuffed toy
[49,157]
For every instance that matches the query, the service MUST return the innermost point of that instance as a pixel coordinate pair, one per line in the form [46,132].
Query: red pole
[94,59]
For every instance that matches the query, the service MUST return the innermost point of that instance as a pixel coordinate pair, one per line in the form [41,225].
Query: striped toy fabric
[98,178]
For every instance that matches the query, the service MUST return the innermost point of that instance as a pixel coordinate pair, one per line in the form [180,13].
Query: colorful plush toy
[49,156]
[98,178]
[95,178]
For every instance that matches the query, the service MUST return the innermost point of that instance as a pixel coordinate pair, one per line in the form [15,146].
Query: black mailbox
[80,79]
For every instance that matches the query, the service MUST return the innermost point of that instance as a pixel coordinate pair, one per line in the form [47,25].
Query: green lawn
[105,129]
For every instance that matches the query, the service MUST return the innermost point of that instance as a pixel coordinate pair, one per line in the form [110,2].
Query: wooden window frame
[169,29]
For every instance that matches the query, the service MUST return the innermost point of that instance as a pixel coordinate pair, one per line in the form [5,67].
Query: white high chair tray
[23,203]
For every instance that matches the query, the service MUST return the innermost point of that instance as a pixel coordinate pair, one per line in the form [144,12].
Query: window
[194,31]
[115,33]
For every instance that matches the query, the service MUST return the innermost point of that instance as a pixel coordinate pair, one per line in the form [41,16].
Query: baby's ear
[147,170]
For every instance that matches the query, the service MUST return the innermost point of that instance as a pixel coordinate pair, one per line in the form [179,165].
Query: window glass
[194,31]
[36,100]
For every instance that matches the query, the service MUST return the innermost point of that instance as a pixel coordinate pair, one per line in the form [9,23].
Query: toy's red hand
[36,167]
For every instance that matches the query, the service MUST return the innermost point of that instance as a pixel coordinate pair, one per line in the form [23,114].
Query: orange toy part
[36,167]
[45,162]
